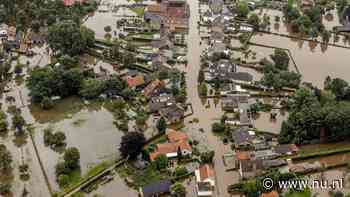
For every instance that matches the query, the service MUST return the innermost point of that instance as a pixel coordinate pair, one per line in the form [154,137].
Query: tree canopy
[309,119]
[69,38]
[132,144]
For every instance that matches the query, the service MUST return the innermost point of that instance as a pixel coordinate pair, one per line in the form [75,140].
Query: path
[206,116]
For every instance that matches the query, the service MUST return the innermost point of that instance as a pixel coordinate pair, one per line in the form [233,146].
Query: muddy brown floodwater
[90,129]
[311,58]
[206,116]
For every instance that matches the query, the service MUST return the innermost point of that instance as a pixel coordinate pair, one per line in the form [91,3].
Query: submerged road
[206,116]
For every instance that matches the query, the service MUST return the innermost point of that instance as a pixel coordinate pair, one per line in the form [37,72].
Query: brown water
[264,123]
[91,130]
[330,176]
[310,58]
[205,115]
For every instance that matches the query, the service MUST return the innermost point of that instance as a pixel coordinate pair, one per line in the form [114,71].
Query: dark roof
[241,135]
[160,102]
[286,148]
[252,165]
[159,187]
[172,112]
[153,17]
[240,76]
[244,119]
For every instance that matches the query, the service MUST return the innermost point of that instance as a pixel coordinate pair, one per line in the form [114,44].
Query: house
[156,189]
[11,33]
[239,77]
[232,101]
[3,32]
[270,194]
[205,178]
[173,113]
[265,154]
[216,6]
[35,38]
[244,119]
[262,146]
[155,21]
[177,142]
[153,88]
[286,149]
[274,163]
[135,81]
[163,43]
[229,103]
[250,168]
[227,89]
[243,138]
[159,102]
[230,161]
[221,69]
[243,155]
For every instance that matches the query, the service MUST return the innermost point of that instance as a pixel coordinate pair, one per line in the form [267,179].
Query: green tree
[326,35]
[207,157]
[203,90]
[178,190]
[254,20]
[63,180]
[5,159]
[72,157]
[132,144]
[161,125]
[242,9]
[46,103]
[18,122]
[180,171]
[3,123]
[108,28]
[161,162]
[67,37]
[91,88]
[218,127]
[5,188]
[281,59]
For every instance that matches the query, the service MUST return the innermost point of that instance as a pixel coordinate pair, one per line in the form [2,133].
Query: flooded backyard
[311,57]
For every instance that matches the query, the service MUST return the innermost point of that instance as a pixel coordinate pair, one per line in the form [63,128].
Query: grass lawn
[140,11]
[141,177]
[307,149]
[305,193]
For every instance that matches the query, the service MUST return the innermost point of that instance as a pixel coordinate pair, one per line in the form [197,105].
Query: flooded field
[310,57]
[264,123]
[91,130]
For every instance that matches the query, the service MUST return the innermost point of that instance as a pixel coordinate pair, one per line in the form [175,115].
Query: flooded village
[174,98]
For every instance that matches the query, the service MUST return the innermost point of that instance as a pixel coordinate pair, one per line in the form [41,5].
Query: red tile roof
[206,172]
[135,81]
[176,136]
[270,194]
[243,155]
[152,87]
